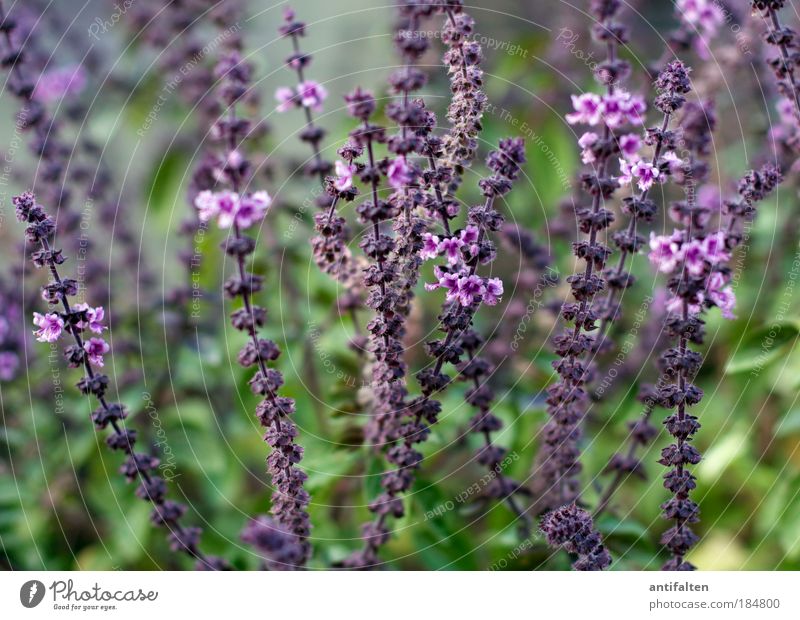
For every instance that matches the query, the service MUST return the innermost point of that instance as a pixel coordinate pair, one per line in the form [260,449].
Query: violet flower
[307,94]
[688,253]
[95,349]
[785,40]
[330,245]
[50,326]
[58,84]
[238,208]
[679,364]
[404,428]
[557,465]
[12,339]
[672,85]
[73,320]
[46,142]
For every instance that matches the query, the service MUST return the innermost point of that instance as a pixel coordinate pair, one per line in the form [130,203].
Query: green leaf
[762,347]
[788,424]
[721,454]
[629,527]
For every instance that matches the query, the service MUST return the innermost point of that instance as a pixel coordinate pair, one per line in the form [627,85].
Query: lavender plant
[308,95]
[672,86]
[784,39]
[693,138]
[88,352]
[465,290]
[696,261]
[571,528]
[12,340]
[401,174]
[536,274]
[477,370]
[462,59]
[238,209]
[557,466]
[330,244]
[46,144]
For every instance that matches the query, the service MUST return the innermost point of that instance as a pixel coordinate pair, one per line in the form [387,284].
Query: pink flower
[430,246]
[675,162]
[709,198]
[227,206]
[252,208]
[9,363]
[786,111]
[470,234]
[312,94]
[629,144]
[344,176]
[493,292]
[94,318]
[722,295]
[694,257]
[587,109]
[469,288]
[286,99]
[634,108]
[50,326]
[447,281]
[646,172]
[642,170]
[665,252]
[469,237]
[587,140]
[399,173]
[612,112]
[206,204]
[451,248]
[625,172]
[622,108]
[715,248]
[57,84]
[705,15]
[95,349]
[675,305]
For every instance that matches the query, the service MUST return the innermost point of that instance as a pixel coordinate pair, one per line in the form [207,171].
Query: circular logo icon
[31,593]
